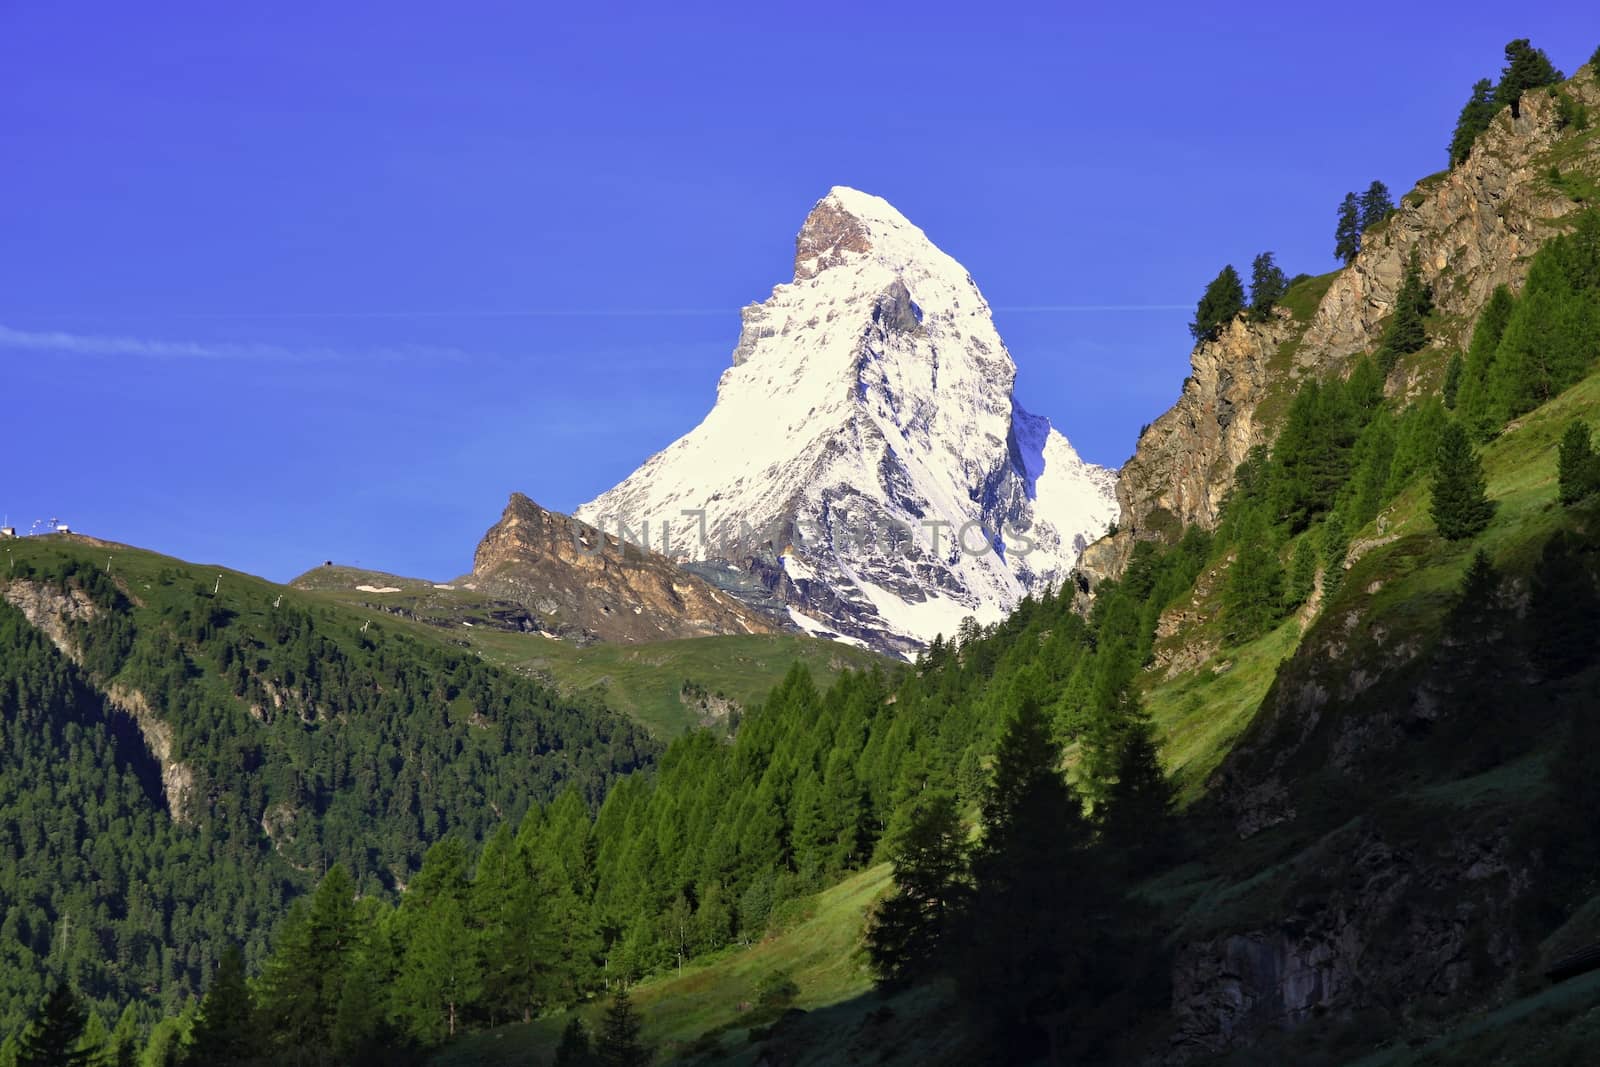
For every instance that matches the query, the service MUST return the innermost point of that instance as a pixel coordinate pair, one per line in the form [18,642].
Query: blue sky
[281,283]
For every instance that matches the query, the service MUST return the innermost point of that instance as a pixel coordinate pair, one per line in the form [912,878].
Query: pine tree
[1302,572]
[1376,205]
[1563,609]
[1253,596]
[51,1038]
[1032,951]
[1475,117]
[1526,68]
[1347,234]
[1451,389]
[441,976]
[1222,302]
[1578,468]
[1268,283]
[574,1049]
[1474,399]
[1407,330]
[224,1029]
[1136,819]
[909,931]
[123,1048]
[1461,508]
[618,1044]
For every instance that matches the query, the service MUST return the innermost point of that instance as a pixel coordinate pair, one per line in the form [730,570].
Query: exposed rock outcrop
[1473,227]
[52,610]
[591,584]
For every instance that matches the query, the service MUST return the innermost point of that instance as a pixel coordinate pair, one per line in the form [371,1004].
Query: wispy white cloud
[84,344]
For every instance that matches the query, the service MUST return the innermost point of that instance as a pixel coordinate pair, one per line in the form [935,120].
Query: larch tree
[1219,305]
[1461,507]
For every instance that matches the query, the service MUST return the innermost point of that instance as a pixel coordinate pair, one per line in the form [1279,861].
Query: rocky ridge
[1474,227]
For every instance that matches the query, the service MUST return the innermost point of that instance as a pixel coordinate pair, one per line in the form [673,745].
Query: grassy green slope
[709,1005]
[1405,584]
[645,681]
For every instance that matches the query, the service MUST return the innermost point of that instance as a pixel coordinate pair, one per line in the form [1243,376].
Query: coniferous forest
[244,825]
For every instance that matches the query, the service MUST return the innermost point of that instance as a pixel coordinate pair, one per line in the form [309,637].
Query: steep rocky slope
[1474,228]
[589,585]
[865,459]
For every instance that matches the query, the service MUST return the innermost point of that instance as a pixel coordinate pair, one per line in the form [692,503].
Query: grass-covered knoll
[669,686]
[672,686]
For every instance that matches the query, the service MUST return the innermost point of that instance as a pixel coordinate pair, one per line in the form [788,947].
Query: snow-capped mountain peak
[865,458]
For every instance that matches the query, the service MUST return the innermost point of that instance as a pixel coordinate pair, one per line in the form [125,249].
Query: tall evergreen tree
[1032,950]
[224,1029]
[1376,205]
[1474,399]
[1563,609]
[618,1044]
[1577,467]
[1476,114]
[1553,332]
[52,1037]
[441,976]
[1407,330]
[1136,818]
[1253,596]
[1221,303]
[1347,234]
[1268,283]
[1526,68]
[1461,507]
[1451,389]
[909,931]
[574,1049]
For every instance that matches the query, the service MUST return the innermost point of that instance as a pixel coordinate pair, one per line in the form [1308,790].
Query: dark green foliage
[1461,508]
[1376,205]
[1267,286]
[1302,572]
[1452,380]
[617,1044]
[1526,68]
[908,932]
[1475,117]
[1552,335]
[777,990]
[1347,233]
[355,748]
[1564,610]
[1253,596]
[1577,466]
[52,1038]
[1571,114]
[225,1030]
[1312,455]
[1136,819]
[1220,305]
[574,1049]
[1473,400]
[1037,895]
[1407,329]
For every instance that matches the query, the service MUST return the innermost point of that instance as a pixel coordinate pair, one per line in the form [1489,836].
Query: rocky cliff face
[587,585]
[52,611]
[1474,228]
[865,461]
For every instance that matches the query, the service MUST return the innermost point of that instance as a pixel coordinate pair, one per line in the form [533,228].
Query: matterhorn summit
[865,469]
